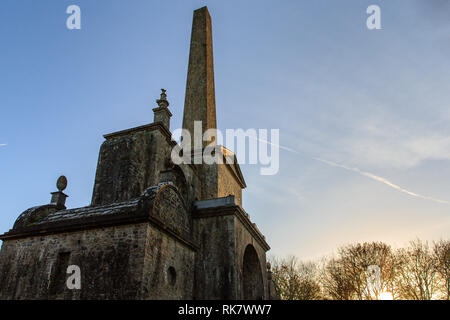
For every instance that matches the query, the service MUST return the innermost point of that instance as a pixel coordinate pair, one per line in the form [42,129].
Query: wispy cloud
[382,180]
[2,144]
[366,174]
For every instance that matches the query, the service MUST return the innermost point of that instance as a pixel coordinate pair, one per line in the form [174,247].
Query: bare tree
[369,271]
[295,280]
[441,253]
[360,271]
[416,272]
[335,281]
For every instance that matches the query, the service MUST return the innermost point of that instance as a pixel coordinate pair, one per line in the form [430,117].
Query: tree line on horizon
[368,271]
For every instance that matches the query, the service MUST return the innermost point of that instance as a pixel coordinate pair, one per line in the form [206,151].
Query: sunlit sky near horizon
[365,111]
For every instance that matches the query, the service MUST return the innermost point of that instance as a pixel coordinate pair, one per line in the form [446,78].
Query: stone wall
[215,274]
[125,262]
[129,162]
[168,267]
[110,259]
[217,181]
[227,184]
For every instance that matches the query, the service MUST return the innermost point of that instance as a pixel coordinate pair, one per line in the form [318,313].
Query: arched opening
[171,276]
[253,285]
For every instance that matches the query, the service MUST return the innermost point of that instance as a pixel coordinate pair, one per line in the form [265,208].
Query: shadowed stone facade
[154,230]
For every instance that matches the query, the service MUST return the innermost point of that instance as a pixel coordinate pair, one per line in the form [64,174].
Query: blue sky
[373,100]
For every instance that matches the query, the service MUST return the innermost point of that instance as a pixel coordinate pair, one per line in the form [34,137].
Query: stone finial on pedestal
[272,289]
[162,102]
[162,113]
[269,271]
[59,197]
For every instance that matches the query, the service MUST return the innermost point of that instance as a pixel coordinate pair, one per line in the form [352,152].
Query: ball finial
[61,184]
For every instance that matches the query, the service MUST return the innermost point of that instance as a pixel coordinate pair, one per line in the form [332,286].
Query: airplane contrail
[382,180]
[366,174]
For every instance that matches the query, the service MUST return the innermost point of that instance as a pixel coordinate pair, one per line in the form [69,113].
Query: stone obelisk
[200,101]
[217,180]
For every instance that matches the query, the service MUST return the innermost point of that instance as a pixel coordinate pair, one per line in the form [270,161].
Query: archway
[253,285]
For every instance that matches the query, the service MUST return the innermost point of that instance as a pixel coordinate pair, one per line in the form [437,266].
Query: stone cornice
[96,222]
[162,109]
[147,127]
